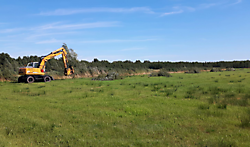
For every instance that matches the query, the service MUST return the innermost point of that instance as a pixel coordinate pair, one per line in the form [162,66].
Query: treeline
[9,66]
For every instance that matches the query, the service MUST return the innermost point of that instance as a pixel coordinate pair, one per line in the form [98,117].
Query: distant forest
[9,66]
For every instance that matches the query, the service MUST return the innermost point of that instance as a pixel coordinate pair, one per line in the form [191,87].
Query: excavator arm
[60,51]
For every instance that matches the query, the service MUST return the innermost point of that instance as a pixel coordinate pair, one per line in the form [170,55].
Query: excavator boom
[60,51]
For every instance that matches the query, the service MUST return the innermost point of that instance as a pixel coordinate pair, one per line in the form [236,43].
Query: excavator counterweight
[35,71]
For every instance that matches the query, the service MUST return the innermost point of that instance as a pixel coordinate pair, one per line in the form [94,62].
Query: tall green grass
[182,110]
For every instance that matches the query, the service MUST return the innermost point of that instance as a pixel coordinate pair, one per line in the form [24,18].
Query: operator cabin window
[36,65]
[30,65]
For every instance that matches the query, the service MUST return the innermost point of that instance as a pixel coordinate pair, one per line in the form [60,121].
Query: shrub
[109,76]
[230,69]
[193,71]
[160,73]
[215,70]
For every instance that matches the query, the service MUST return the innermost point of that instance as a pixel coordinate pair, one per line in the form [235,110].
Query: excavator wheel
[19,80]
[47,79]
[30,79]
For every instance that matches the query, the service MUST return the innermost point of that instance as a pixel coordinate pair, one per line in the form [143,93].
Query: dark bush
[160,73]
[215,70]
[193,71]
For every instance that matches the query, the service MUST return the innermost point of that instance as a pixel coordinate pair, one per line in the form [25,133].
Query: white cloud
[178,10]
[173,12]
[206,6]
[235,3]
[58,26]
[182,9]
[220,3]
[51,33]
[11,30]
[95,10]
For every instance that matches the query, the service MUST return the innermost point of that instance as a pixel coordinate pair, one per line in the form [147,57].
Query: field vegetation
[9,66]
[200,109]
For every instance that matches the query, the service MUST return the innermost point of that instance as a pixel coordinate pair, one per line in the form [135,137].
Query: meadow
[204,109]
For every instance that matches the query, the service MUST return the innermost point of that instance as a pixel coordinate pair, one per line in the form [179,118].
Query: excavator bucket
[69,71]
[72,69]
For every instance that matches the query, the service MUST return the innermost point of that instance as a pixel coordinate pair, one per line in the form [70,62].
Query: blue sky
[159,30]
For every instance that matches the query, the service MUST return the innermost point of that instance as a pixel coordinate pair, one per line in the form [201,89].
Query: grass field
[205,109]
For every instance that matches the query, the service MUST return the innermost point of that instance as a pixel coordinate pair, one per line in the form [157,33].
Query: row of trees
[9,66]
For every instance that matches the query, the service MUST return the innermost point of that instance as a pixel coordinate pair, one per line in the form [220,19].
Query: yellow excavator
[35,71]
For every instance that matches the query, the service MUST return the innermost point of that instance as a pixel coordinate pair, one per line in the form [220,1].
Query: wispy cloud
[95,10]
[50,33]
[58,26]
[235,3]
[117,40]
[207,5]
[178,10]
[173,12]
[11,30]
[182,9]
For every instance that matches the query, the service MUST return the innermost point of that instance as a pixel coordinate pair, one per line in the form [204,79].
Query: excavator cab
[32,68]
